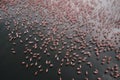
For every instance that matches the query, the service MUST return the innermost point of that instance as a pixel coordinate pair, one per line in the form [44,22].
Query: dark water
[11,68]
